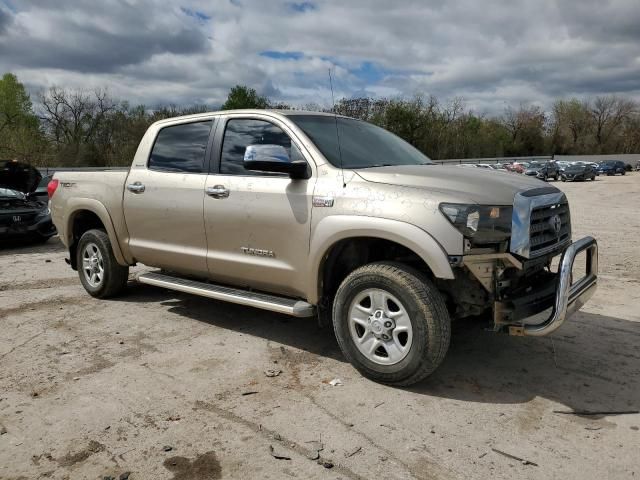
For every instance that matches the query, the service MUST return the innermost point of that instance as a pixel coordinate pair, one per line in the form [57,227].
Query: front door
[163,202]
[257,224]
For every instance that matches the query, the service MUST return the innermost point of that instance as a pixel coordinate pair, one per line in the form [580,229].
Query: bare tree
[609,114]
[73,117]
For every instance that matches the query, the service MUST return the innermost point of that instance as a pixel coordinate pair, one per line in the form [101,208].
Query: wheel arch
[85,216]
[334,236]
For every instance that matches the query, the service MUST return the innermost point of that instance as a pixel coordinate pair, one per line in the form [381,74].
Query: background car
[41,192]
[562,164]
[519,167]
[22,214]
[578,171]
[543,170]
[611,167]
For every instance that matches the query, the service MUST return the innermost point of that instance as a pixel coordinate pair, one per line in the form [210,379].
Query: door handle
[135,187]
[217,191]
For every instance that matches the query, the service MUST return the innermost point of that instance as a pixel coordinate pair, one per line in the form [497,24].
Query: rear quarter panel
[98,192]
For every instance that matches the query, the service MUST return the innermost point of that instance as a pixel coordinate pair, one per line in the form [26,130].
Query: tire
[100,274]
[555,177]
[564,179]
[424,326]
[624,172]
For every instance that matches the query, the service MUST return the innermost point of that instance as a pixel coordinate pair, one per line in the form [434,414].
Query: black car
[543,170]
[578,172]
[22,214]
[611,167]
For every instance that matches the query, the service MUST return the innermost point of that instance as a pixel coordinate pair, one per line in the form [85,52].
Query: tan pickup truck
[314,214]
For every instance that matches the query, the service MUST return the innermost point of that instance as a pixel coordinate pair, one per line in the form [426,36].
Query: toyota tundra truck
[314,214]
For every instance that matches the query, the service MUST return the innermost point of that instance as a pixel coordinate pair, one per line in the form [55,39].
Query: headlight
[44,212]
[482,224]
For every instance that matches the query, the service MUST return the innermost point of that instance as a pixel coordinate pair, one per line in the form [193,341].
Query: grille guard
[569,298]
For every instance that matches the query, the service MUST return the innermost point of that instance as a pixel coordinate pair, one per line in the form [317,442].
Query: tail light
[52,186]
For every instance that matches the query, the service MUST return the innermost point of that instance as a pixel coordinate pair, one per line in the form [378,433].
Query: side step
[288,306]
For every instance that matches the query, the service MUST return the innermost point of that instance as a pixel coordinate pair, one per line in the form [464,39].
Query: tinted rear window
[181,148]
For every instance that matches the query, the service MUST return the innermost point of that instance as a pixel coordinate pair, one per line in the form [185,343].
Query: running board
[288,306]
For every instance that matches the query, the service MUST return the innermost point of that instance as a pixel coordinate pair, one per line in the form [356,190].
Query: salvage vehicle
[578,172]
[543,170]
[612,167]
[23,216]
[309,214]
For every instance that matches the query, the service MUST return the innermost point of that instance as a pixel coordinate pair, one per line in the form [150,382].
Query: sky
[491,53]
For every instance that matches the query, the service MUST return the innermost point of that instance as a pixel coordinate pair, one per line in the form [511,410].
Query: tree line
[75,127]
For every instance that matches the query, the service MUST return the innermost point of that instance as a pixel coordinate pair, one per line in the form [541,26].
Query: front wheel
[100,274]
[391,323]
[564,179]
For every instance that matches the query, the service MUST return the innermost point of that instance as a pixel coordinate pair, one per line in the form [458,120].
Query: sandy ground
[94,389]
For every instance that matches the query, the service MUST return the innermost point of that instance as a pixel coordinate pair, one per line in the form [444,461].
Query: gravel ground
[170,386]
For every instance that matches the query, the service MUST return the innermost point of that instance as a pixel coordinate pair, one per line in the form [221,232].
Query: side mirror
[273,158]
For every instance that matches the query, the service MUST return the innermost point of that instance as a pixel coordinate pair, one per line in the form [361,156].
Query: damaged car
[23,215]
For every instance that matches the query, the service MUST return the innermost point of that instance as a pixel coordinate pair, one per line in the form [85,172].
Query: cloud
[490,53]
[5,19]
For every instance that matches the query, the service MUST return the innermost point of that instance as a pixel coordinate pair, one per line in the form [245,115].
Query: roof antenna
[335,117]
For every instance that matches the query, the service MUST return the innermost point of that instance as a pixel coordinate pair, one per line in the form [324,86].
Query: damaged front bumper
[522,302]
[569,297]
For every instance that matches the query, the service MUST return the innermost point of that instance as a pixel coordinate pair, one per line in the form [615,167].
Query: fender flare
[76,205]
[332,229]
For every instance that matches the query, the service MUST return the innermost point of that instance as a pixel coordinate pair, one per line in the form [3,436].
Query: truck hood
[19,176]
[488,187]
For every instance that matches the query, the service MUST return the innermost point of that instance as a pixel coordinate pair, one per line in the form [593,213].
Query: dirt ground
[171,386]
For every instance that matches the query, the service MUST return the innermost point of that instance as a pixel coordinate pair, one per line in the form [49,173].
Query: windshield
[8,193]
[44,182]
[362,144]
[535,165]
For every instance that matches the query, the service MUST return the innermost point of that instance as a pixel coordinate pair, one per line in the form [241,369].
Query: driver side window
[242,132]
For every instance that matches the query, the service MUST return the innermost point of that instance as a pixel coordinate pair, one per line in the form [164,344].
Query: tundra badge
[257,251]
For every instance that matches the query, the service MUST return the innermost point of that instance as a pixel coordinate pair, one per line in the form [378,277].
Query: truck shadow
[591,364]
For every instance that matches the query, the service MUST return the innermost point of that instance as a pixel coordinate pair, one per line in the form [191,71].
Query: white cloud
[488,52]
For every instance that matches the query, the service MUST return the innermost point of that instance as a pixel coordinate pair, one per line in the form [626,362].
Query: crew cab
[312,214]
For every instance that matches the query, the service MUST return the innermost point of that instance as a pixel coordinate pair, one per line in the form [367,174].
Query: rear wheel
[391,323]
[100,274]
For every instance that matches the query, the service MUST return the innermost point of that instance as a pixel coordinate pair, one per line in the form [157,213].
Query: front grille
[543,236]
[7,219]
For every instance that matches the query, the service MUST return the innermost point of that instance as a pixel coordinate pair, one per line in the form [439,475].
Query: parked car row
[569,171]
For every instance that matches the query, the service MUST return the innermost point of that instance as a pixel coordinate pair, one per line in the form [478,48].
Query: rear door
[258,227]
[163,202]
